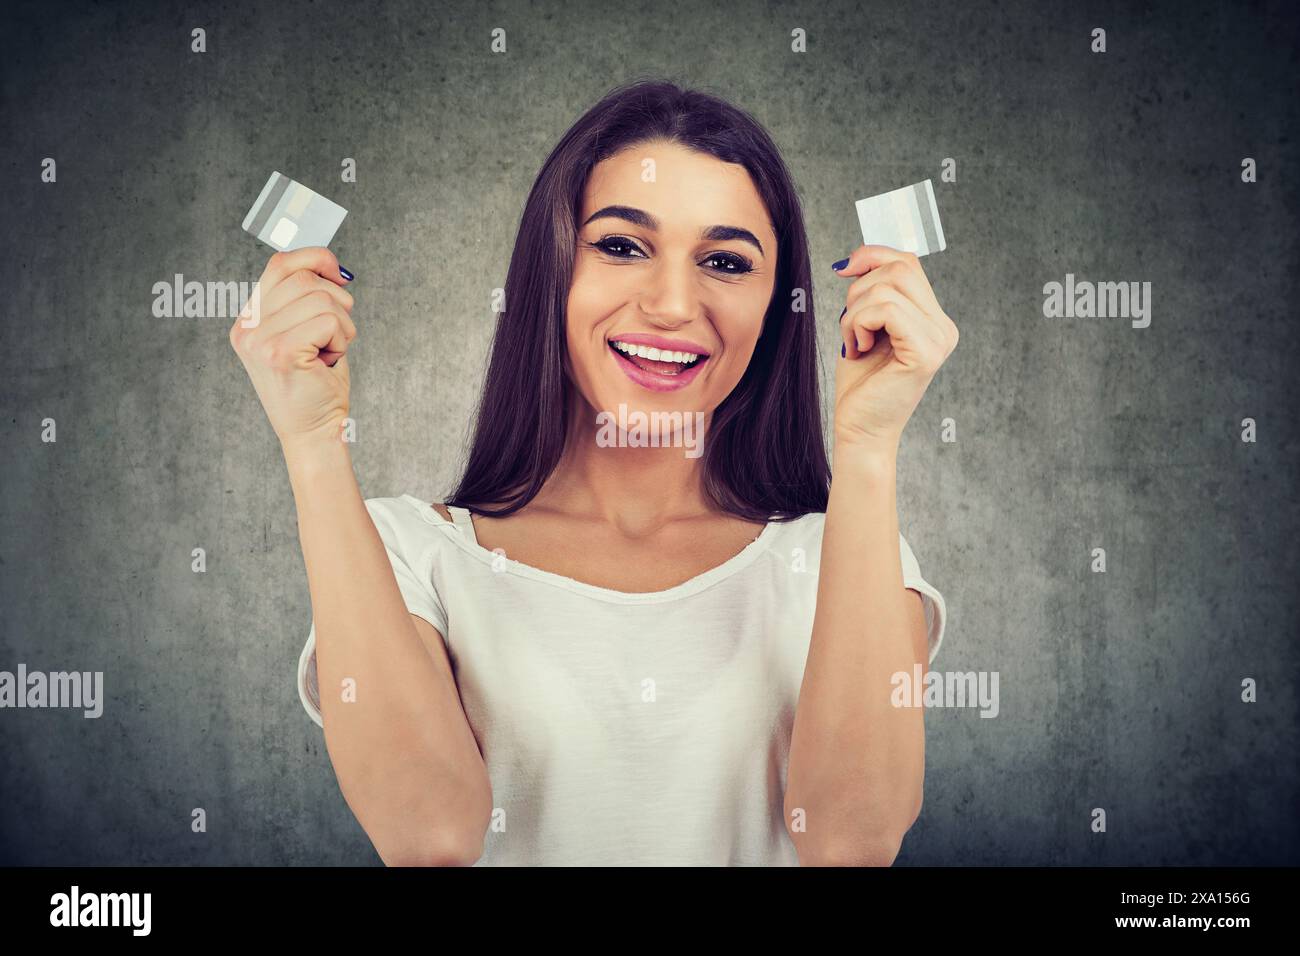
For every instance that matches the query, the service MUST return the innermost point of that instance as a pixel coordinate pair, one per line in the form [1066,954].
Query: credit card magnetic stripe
[926,207]
[266,203]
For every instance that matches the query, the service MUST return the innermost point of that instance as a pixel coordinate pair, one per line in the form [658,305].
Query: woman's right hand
[291,337]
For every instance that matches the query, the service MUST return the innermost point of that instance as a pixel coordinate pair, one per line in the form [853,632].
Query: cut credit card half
[288,215]
[906,219]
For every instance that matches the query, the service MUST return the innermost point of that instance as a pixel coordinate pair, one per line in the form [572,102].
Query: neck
[637,490]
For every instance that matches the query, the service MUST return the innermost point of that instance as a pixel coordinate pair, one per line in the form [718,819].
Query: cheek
[585,311]
[592,297]
[740,329]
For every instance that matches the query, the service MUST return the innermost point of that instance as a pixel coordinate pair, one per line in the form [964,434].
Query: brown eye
[731,264]
[613,245]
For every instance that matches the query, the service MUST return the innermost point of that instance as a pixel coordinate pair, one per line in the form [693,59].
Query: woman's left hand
[895,338]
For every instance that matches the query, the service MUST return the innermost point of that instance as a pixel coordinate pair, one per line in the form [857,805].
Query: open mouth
[657,361]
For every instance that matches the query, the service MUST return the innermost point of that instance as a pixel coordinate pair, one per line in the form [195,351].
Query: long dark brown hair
[764,457]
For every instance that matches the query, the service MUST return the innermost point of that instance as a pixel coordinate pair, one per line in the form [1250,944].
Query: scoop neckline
[705,579]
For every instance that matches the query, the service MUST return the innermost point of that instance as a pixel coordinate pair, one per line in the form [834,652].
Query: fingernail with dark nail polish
[841,350]
[840,265]
[843,310]
[345,274]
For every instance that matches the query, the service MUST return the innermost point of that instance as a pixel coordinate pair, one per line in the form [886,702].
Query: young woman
[592,653]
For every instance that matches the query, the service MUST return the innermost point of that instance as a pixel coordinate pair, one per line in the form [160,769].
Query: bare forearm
[856,761]
[405,759]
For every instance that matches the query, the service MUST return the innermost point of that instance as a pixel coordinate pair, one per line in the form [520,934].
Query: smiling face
[680,266]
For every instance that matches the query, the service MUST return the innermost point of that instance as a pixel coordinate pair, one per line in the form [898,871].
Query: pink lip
[653,380]
[659,342]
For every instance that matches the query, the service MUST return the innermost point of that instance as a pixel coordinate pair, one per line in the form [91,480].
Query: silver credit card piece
[906,219]
[288,215]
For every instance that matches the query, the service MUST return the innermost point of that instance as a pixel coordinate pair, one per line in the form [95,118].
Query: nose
[671,298]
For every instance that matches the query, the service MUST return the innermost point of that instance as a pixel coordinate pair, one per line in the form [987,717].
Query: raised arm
[405,757]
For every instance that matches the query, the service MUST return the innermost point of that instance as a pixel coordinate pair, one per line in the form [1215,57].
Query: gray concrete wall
[1119,690]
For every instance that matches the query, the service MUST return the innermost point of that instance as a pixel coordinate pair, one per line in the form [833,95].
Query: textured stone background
[1118,690]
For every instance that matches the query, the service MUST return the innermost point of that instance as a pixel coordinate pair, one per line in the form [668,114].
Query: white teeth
[656,355]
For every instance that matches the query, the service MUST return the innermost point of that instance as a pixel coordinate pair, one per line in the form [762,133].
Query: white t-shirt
[622,729]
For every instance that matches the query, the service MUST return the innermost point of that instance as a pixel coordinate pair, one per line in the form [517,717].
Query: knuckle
[320,299]
[278,263]
[271,353]
[243,342]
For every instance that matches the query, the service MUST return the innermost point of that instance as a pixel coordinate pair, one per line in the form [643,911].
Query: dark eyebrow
[639,217]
